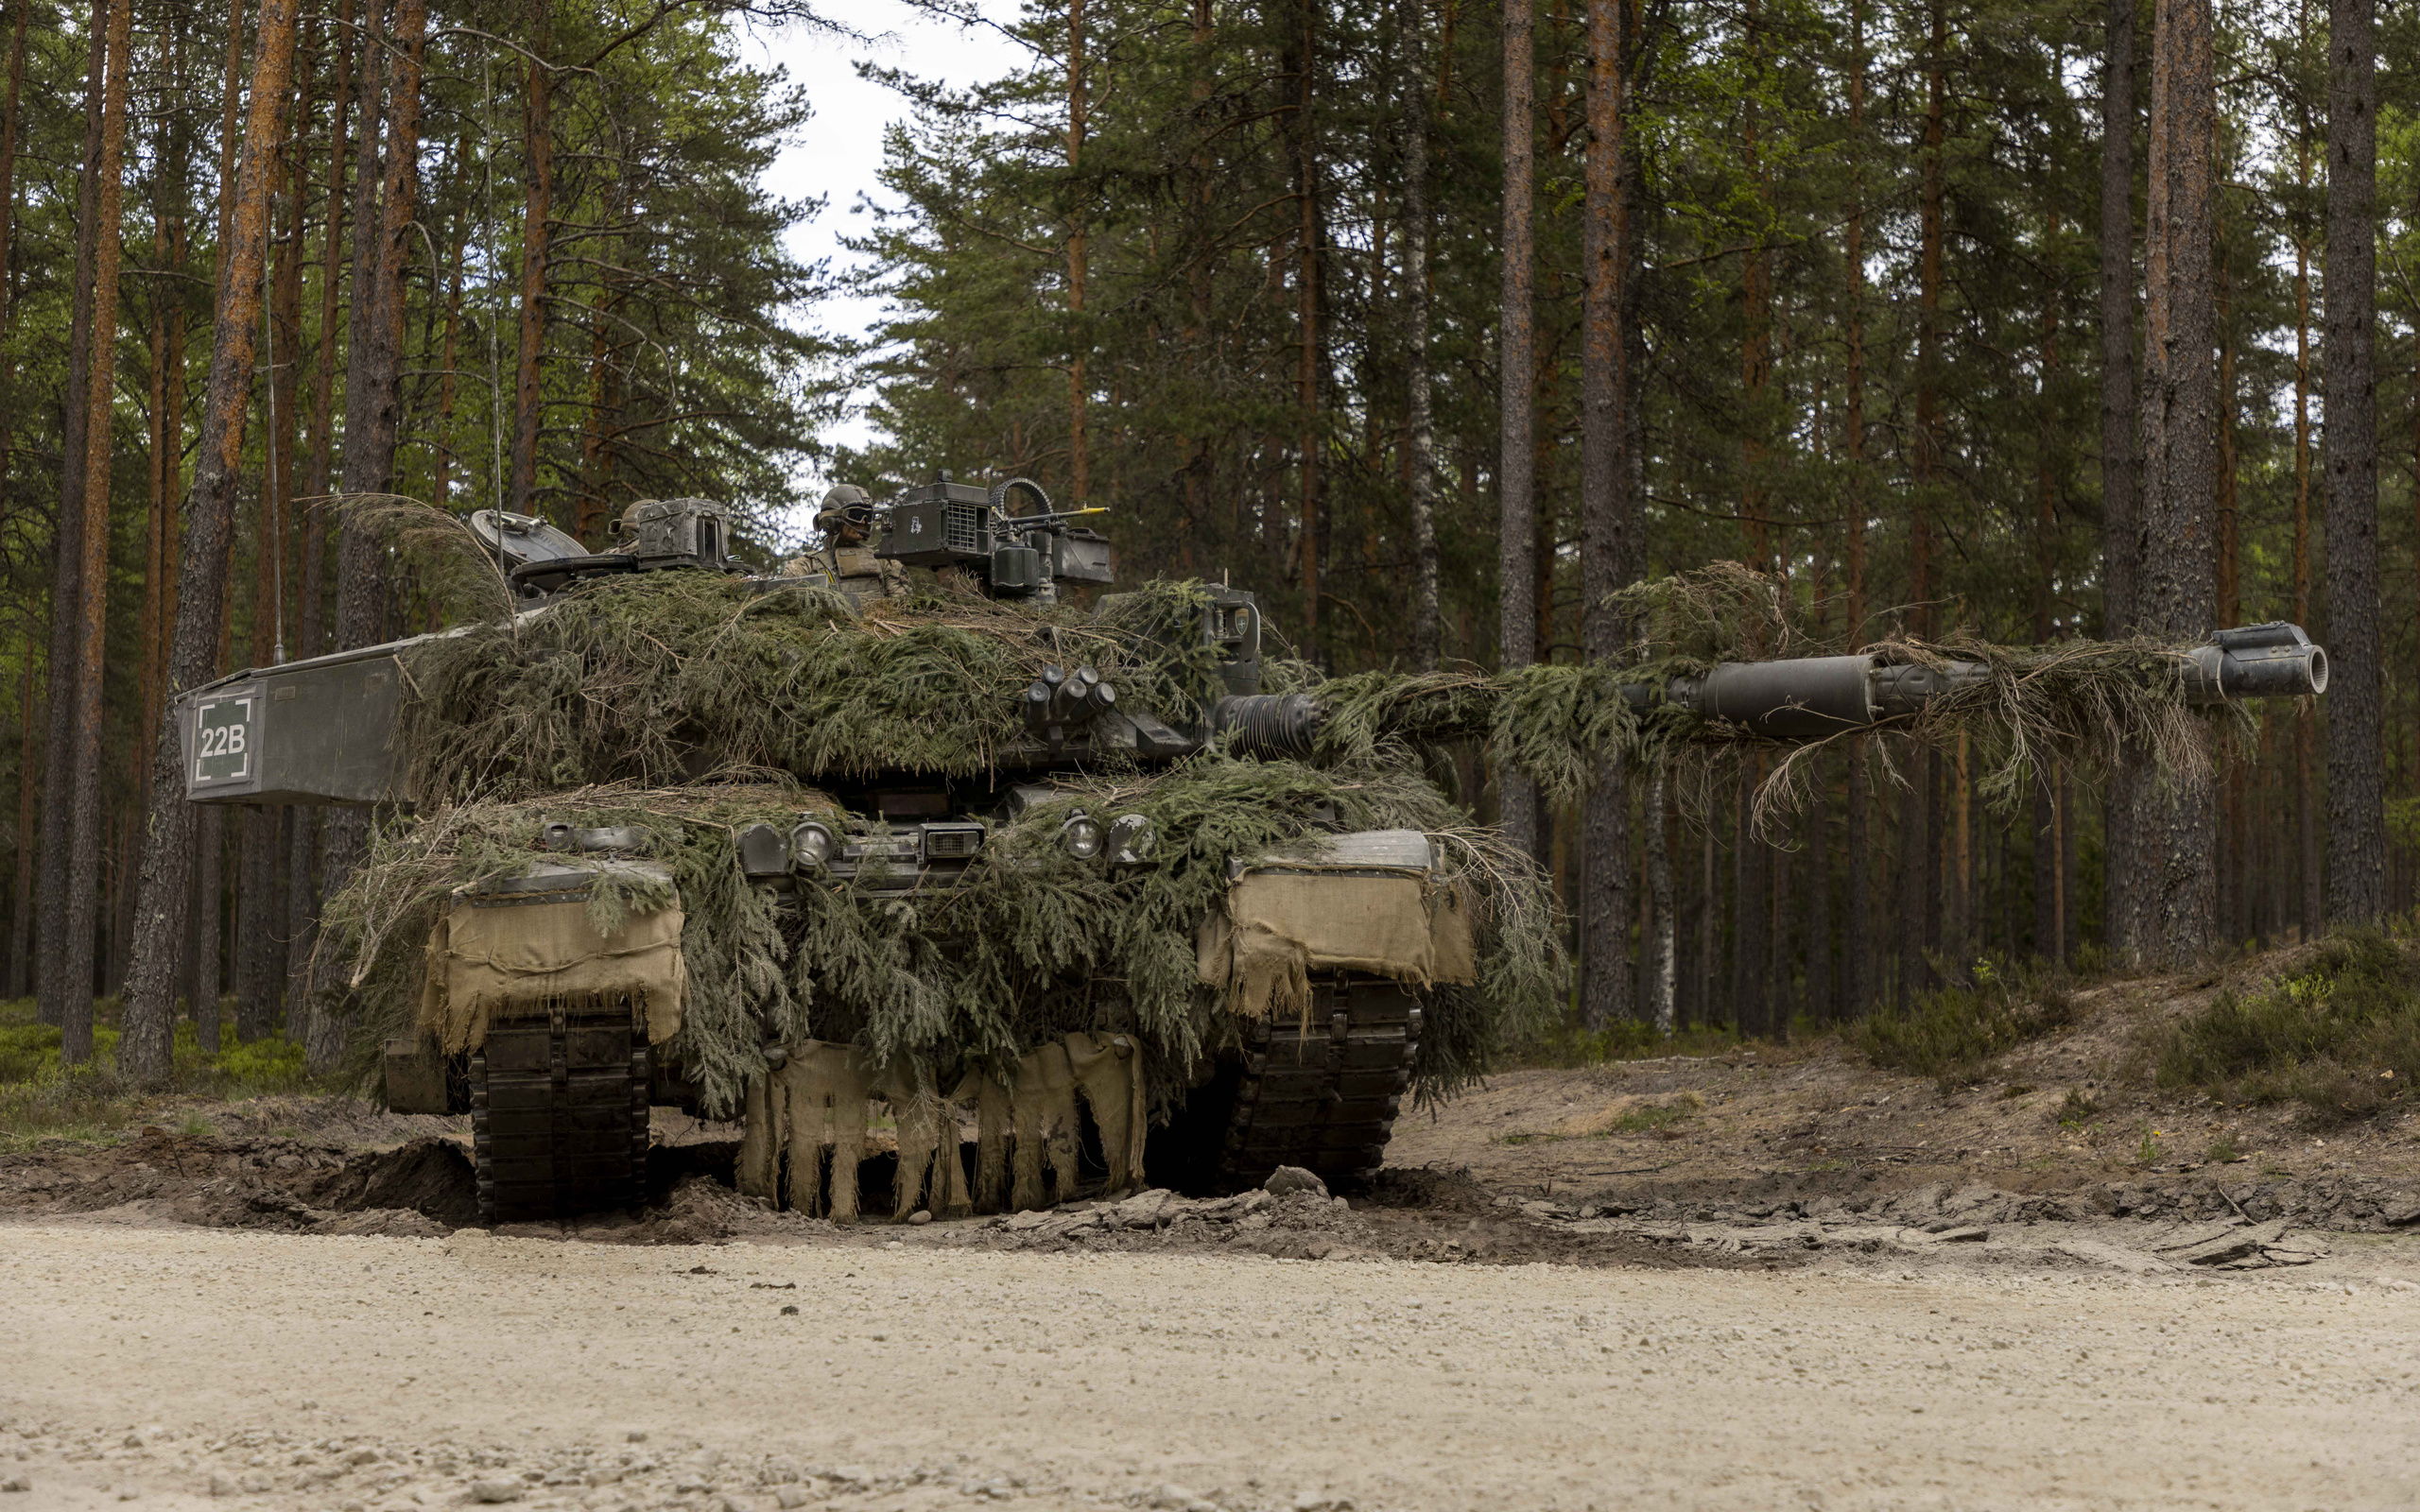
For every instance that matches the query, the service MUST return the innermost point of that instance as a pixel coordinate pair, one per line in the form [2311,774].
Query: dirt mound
[422,1187]
[431,1178]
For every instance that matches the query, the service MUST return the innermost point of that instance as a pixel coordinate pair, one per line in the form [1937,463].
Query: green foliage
[2341,1037]
[41,1098]
[1568,1042]
[2078,1109]
[1955,1032]
[1030,944]
[658,678]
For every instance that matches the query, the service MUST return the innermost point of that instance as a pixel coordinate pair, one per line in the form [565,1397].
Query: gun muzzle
[2273,661]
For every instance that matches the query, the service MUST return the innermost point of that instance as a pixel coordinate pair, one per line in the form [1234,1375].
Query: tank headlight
[813,843]
[1131,839]
[762,851]
[1080,837]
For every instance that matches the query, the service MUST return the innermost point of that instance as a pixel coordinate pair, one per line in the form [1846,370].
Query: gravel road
[166,1367]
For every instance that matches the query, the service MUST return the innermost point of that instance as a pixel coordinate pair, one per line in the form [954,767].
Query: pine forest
[1434,323]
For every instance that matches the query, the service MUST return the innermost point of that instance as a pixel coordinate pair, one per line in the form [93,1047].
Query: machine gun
[947,524]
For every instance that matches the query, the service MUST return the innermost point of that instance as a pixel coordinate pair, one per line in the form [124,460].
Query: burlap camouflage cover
[499,960]
[1280,926]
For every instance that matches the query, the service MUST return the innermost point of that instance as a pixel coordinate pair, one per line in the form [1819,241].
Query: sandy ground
[1816,1116]
[147,1363]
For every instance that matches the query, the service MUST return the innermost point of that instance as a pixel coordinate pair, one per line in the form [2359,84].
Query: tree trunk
[1516,361]
[2311,911]
[1920,851]
[21,906]
[317,451]
[1307,322]
[1079,443]
[1781,976]
[261,905]
[1420,421]
[2233,875]
[18,14]
[2043,852]
[1757,318]
[1751,910]
[374,403]
[159,505]
[1663,977]
[2179,438]
[230,112]
[206,934]
[2356,736]
[1817,1001]
[91,599]
[58,778]
[1605,525]
[538,138]
[162,896]
[440,490]
[22,898]
[1857,936]
[302,822]
[2120,532]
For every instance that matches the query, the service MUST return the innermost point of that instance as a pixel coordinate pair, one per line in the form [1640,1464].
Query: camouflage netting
[2074,702]
[622,701]
[656,678]
[1030,945]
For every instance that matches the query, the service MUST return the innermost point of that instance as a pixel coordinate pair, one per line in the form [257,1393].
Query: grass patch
[1955,1033]
[2222,1150]
[2079,1108]
[41,1098]
[1571,1044]
[2342,1037]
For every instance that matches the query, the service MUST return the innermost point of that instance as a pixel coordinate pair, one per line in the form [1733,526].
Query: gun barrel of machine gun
[1056,519]
[1809,699]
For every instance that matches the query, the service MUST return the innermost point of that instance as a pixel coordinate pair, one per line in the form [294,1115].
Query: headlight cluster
[1127,841]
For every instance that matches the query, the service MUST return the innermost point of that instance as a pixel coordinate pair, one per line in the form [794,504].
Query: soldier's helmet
[846,503]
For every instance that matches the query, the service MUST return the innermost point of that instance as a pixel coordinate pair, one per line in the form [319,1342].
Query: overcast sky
[839,151]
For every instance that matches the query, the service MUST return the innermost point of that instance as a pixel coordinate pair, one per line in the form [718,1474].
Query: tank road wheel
[1324,1094]
[559,1114]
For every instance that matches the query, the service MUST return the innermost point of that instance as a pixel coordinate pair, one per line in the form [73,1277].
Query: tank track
[559,1114]
[1323,1093]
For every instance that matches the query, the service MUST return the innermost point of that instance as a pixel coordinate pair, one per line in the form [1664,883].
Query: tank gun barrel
[1809,699]
[1814,696]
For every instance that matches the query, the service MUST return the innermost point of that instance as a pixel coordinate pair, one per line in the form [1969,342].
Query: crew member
[846,520]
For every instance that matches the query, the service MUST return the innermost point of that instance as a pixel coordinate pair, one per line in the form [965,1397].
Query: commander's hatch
[520,539]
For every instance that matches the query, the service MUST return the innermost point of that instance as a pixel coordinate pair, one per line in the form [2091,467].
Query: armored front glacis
[961,896]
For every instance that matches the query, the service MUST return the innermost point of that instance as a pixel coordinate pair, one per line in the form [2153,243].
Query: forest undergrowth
[2338,1032]
[41,1098]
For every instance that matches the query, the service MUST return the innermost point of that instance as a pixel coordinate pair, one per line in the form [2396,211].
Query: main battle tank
[957,895]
